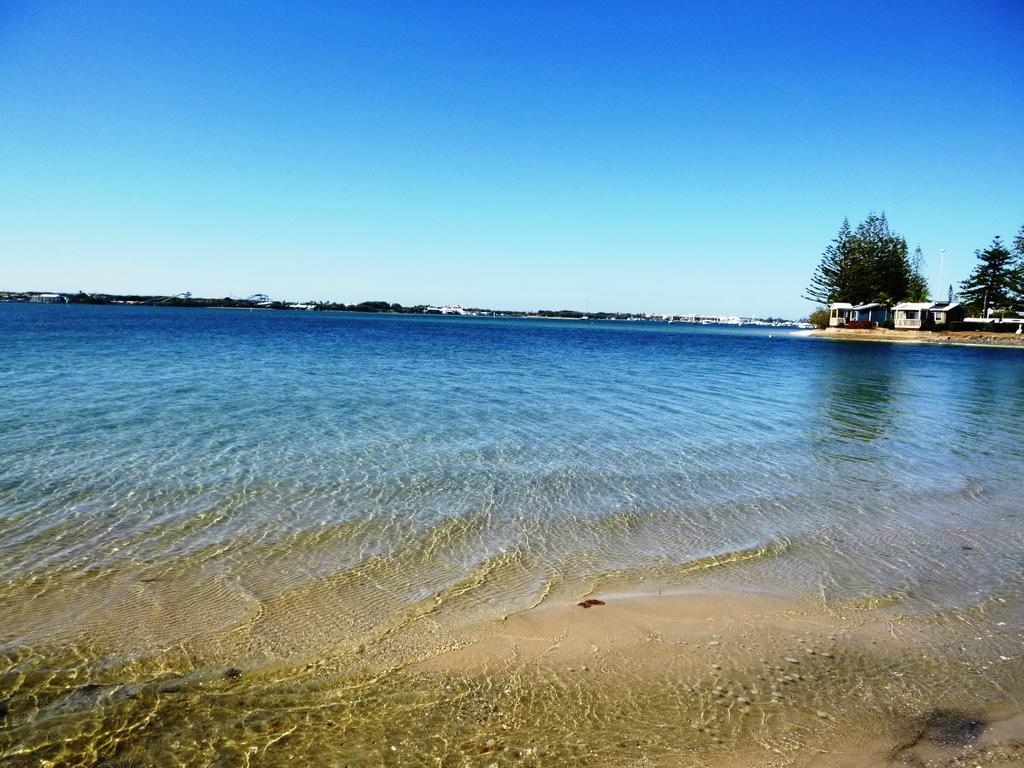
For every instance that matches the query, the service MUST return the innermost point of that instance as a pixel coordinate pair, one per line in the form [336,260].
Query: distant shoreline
[262,301]
[944,338]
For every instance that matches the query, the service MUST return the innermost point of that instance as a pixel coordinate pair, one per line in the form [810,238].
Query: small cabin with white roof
[872,312]
[943,312]
[839,314]
[912,315]
[917,315]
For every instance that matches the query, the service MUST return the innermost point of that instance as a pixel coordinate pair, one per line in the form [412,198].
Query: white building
[915,315]
[839,313]
[911,315]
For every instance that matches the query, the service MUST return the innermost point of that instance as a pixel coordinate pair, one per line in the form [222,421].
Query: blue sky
[623,156]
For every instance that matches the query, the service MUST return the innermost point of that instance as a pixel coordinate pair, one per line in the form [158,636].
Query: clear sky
[624,156]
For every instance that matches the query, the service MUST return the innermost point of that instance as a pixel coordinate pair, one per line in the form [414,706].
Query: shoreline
[942,338]
[688,677]
[745,677]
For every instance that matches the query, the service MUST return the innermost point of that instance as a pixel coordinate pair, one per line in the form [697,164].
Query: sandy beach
[689,678]
[954,338]
[740,680]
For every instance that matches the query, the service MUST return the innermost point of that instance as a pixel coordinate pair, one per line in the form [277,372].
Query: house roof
[840,305]
[934,306]
[872,305]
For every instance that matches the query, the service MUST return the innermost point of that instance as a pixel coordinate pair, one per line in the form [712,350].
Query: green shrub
[819,317]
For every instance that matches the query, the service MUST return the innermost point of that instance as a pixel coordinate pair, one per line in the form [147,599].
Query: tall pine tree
[833,278]
[918,286]
[866,264]
[992,284]
[884,254]
[1018,268]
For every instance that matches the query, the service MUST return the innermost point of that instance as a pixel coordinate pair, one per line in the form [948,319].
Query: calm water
[181,489]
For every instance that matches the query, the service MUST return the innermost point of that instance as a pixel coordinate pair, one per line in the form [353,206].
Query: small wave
[773,548]
[766,550]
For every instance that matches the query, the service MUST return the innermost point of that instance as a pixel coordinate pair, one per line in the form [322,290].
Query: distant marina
[262,301]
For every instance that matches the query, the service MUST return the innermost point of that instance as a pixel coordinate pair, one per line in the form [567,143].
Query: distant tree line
[368,306]
[871,264]
[187,300]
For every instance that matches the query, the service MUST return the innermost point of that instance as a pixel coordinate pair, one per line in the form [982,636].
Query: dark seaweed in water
[943,727]
[951,728]
[590,603]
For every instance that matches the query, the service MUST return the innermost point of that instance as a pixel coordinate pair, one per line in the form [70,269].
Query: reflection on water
[322,500]
[860,401]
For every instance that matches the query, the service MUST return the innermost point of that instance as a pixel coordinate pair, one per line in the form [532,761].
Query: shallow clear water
[184,488]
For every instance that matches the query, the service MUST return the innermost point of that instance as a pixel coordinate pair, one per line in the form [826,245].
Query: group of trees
[871,263]
[997,282]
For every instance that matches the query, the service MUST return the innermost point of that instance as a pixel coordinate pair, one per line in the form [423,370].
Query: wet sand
[741,679]
[699,678]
